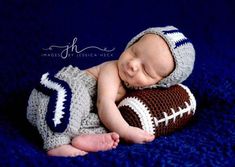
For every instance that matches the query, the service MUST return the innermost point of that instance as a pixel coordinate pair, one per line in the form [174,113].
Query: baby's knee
[76,141]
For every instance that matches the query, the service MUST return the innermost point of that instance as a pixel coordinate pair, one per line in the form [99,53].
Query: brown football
[158,111]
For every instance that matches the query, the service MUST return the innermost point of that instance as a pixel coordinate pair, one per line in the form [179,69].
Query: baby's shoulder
[112,65]
[109,65]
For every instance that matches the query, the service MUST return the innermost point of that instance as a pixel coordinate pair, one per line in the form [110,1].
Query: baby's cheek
[141,81]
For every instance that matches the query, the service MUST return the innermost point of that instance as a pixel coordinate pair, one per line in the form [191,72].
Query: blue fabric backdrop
[29,27]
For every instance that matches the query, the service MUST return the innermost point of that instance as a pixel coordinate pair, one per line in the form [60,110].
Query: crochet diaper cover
[63,106]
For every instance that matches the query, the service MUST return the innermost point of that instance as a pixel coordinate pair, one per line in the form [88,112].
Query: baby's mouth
[127,84]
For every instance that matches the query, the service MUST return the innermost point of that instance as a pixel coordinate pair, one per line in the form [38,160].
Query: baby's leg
[96,142]
[66,151]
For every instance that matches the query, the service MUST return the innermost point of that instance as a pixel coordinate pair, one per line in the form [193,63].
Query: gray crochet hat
[182,51]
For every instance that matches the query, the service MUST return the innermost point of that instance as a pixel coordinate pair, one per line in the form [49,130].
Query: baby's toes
[115,144]
[115,136]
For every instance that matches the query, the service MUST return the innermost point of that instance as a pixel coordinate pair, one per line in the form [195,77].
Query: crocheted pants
[82,117]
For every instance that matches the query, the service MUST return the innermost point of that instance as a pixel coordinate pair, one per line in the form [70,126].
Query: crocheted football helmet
[182,51]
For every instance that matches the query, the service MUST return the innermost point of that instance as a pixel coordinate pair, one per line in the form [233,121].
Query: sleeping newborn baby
[72,108]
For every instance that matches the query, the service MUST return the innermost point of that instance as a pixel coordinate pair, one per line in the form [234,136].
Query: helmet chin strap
[133,87]
[140,87]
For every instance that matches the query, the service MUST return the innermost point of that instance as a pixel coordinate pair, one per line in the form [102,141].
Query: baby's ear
[158,111]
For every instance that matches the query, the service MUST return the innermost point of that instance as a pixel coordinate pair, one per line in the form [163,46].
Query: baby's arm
[108,84]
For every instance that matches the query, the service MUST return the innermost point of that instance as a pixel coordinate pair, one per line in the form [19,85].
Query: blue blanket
[86,33]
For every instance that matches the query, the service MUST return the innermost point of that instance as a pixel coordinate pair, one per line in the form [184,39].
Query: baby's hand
[137,135]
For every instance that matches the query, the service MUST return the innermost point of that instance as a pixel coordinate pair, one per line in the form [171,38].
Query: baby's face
[146,62]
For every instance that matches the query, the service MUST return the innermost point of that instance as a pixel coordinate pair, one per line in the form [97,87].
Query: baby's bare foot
[96,142]
[137,135]
[66,151]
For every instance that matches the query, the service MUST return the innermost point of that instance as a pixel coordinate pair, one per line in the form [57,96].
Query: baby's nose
[132,68]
